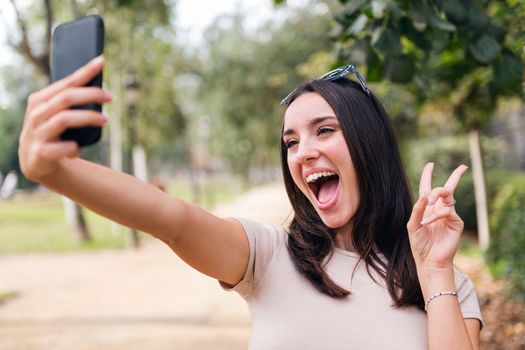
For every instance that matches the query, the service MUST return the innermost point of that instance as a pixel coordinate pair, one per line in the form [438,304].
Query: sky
[193,16]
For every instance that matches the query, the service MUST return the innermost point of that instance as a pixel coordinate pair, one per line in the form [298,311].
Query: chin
[333,222]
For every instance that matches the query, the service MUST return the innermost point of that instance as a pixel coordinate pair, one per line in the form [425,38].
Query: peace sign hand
[434,228]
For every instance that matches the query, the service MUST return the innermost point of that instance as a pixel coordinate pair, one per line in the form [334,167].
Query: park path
[128,299]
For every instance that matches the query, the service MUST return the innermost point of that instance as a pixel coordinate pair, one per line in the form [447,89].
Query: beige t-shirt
[289,313]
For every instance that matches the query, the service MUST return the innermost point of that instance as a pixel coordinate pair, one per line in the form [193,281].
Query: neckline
[352,254]
[346,252]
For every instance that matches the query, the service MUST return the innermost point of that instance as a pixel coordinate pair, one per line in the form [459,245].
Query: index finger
[454,178]
[425,183]
[80,77]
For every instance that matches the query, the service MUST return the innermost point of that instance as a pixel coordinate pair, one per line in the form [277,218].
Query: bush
[506,253]
[495,179]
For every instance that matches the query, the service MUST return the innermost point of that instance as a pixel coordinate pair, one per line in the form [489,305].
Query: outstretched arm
[217,247]
[434,230]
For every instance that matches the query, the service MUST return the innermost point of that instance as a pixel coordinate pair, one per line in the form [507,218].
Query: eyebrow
[311,123]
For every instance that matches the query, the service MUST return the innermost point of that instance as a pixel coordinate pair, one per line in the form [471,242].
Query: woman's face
[319,160]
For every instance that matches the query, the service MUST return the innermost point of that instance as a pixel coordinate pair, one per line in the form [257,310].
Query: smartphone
[73,45]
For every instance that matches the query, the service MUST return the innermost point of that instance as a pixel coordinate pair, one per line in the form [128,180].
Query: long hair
[379,224]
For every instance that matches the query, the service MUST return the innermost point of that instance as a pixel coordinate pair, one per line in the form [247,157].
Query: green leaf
[477,19]
[497,32]
[440,23]
[454,10]
[484,49]
[508,72]
[378,8]
[400,69]
[358,25]
[374,73]
[279,2]
[348,15]
[361,53]
[420,39]
[372,58]
[386,41]
[354,6]
[418,12]
[395,12]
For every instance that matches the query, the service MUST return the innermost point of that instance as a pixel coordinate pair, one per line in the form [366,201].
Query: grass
[5,296]
[36,223]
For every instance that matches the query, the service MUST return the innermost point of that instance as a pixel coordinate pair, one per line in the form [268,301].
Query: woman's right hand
[47,115]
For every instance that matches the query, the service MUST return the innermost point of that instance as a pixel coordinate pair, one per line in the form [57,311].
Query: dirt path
[145,299]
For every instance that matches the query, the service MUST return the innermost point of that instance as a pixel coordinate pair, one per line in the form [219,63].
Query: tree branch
[41,62]
[49,24]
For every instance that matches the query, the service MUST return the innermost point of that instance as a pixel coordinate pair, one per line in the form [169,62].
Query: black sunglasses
[334,75]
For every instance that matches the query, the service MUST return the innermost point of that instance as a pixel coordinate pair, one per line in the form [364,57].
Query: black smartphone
[73,45]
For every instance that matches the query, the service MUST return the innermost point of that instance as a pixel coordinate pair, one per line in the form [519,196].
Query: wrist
[51,179]
[433,280]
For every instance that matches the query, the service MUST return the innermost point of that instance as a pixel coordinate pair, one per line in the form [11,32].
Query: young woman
[358,268]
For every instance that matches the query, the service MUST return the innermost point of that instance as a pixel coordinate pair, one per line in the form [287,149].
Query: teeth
[315,176]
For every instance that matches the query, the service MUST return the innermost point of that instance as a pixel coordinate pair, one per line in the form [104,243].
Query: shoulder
[266,241]
[263,235]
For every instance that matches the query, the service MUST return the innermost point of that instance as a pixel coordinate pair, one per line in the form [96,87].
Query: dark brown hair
[379,224]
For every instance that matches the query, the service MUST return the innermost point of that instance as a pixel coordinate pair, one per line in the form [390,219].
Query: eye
[290,143]
[324,130]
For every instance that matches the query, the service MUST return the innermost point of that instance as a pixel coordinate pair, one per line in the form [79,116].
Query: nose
[307,152]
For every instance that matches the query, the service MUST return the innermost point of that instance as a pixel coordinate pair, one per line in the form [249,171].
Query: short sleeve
[468,300]
[264,241]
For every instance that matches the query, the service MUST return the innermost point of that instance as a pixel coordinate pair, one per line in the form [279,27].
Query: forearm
[117,196]
[446,326]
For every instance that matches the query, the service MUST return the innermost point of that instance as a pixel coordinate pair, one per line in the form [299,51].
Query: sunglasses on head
[334,75]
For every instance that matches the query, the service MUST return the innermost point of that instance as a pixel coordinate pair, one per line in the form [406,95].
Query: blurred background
[196,87]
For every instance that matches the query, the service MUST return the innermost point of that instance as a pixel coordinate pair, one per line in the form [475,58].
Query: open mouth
[324,186]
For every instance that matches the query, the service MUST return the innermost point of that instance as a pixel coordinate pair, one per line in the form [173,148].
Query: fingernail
[104,118]
[108,96]
[98,59]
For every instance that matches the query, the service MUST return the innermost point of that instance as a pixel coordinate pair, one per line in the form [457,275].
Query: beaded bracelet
[438,295]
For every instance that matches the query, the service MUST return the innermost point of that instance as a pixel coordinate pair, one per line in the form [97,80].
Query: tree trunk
[479,189]
[132,136]
[140,168]
[115,130]
[75,220]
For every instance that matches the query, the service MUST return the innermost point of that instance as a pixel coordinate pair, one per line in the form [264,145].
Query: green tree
[247,73]
[139,43]
[464,53]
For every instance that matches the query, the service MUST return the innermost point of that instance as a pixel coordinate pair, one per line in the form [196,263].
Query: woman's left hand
[434,228]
